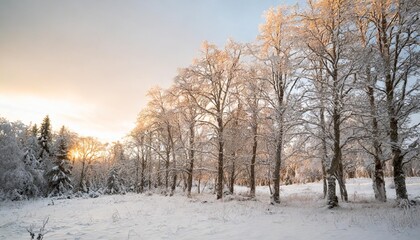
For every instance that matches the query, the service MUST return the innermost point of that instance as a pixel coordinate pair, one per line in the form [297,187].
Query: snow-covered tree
[18,180]
[396,26]
[59,176]
[328,41]
[114,184]
[278,55]
[31,148]
[45,137]
[87,151]
[209,83]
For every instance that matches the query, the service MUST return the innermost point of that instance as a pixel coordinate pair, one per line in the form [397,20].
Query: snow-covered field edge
[301,215]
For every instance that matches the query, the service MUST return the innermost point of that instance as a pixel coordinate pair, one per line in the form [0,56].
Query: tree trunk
[399,177]
[279,89]
[137,182]
[167,167]
[143,166]
[159,180]
[174,170]
[253,159]
[342,183]
[332,197]
[232,174]
[184,181]
[379,182]
[149,160]
[336,160]
[397,158]
[191,164]
[276,173]
[378,176]
[150,175]
[199,185]
[390,81]
[219,184]
[82,176]
[324,180]
[324,149]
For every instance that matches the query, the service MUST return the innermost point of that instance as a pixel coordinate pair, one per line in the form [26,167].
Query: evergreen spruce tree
[31,148]
[45,137]
[58,177]
[34,131]
[114,184]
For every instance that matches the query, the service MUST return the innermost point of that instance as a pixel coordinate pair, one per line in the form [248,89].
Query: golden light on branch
[87,149]
[74,154]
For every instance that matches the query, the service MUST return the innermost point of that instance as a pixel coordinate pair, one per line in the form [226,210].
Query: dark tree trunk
[253,159]
[82,176]
[174,171]
[159,179]
[332,197]
[143,166]
[378,181]
[390,83]
[276,173]
[232,174]
[324,150]
[167,160]
[342,183]
[279,89]
[191,164]
[219,184]
[399,176]
[336,160]
[199,185]
[378,176]
[150,175]
[324,180]
[137,182]
[397,159]
[184,181]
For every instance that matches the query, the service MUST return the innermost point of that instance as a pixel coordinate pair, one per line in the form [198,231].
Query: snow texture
[301,215]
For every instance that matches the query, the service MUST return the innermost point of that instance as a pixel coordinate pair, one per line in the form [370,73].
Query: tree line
[38,162]
[324,93]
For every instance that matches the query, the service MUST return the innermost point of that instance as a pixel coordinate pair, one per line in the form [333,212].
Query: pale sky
[89,64]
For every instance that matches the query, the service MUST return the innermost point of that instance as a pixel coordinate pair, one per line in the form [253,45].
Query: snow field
[301,215]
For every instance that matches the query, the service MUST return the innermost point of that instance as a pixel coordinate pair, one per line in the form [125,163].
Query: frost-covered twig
[41,232]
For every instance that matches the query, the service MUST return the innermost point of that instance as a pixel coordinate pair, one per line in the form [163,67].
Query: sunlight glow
[74,154]
[75,114]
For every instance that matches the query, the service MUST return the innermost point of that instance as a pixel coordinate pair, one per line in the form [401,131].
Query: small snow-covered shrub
[236,198]
[20,184]
[116,216]
[417,200]
[94,194]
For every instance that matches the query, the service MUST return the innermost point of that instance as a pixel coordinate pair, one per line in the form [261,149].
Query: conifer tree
[45,137]
[114,184]
[31,148]
[58,176]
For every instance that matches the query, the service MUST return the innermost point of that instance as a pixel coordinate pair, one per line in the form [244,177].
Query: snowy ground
[301,215]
